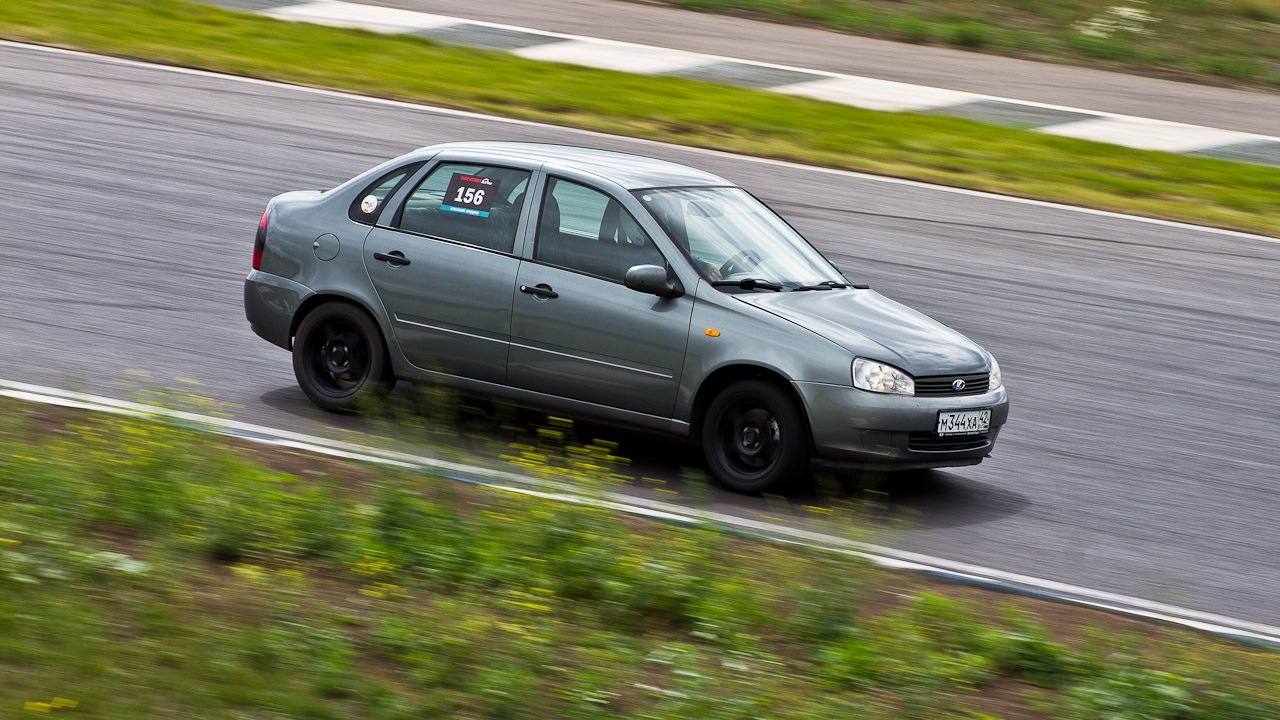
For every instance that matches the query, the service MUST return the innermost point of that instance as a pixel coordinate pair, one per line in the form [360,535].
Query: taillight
[260,240]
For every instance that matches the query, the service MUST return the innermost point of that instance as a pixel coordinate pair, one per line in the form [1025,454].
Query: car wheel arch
[723,377]
[318,299]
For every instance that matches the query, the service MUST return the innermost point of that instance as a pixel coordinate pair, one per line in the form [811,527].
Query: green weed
[213,586]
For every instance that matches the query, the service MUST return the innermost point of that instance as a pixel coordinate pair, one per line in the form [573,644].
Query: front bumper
[865,429]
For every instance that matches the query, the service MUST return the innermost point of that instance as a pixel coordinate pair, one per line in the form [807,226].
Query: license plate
[964,422]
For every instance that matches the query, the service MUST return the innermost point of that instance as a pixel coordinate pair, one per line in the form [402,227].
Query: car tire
[339,358]
[755,438]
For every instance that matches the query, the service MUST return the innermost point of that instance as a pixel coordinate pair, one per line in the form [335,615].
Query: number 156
[470,196]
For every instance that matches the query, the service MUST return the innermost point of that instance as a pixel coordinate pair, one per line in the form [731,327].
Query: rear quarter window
[368,204]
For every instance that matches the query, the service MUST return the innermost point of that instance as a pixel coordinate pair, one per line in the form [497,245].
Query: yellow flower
[530,606]
[44,707]
[248,572]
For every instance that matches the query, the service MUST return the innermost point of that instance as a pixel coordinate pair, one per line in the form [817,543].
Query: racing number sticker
[470,195]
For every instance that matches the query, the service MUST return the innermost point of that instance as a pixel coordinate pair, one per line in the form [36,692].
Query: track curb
[1241,631]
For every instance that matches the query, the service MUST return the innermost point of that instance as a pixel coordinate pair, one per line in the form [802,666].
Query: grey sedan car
[617,287]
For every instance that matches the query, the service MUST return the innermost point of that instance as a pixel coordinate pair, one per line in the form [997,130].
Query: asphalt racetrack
[1141,358]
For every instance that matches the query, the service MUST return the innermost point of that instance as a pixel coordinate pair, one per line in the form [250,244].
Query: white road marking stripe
[1145,134]
[619,56]
[449,112]
[367,17]
[890,558]
[873,94]
[863,92]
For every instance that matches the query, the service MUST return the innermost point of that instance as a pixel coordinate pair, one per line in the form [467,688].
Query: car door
[444,268]
[576,330]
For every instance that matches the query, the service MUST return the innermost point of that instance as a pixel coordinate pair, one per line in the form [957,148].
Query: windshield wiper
[748,284]
[831,285]
[826,285]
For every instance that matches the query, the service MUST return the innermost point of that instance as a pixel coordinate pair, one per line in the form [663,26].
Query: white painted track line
[654,143]
[856,91]
[617,56]
[873,94]
[367,17]
[1240,630]
[1147,134]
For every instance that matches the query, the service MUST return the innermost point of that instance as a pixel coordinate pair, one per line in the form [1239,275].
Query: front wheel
[754,437]
[339,358]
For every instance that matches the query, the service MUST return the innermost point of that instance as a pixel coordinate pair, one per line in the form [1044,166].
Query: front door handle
[542,290]
[395,257]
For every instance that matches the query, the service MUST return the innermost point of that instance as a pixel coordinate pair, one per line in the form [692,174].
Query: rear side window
[368,204]
[472,204]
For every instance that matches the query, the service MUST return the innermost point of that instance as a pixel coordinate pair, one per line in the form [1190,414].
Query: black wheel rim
[750,439]
[337,358]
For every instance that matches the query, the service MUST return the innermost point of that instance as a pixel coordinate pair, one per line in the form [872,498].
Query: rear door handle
[542,290]
[395,257]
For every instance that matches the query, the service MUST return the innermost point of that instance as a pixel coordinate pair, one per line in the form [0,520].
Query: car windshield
[733,237]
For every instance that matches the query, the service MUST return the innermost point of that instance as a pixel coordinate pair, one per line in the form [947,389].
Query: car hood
[871,325]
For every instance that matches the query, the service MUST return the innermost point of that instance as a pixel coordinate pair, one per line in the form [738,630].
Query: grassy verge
[1235,42]
[147,571]
[935,149]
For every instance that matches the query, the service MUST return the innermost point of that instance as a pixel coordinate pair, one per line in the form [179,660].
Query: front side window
[473,204]
[585,230]
[730,235]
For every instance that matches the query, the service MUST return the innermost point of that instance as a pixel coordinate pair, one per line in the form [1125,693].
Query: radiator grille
[944,385]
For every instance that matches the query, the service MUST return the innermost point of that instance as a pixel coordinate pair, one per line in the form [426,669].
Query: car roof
[633,172]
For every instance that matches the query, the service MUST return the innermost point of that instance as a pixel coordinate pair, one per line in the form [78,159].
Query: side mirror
[653,279]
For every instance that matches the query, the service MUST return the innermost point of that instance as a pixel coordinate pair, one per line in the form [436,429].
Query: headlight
[877,377]
[995,380]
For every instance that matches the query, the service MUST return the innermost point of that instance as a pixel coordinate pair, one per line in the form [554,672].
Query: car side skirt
[543,401]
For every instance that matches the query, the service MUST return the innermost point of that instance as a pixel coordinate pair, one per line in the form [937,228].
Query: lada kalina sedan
[617,287]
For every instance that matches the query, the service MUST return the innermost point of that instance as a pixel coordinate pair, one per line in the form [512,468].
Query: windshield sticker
[368,204]
[470,195]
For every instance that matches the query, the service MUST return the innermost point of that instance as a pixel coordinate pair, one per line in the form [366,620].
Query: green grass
[151,571]
[1232,41]
[935,149]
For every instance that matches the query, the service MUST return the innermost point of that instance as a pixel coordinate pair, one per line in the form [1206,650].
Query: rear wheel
[754,438]
[339,358]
